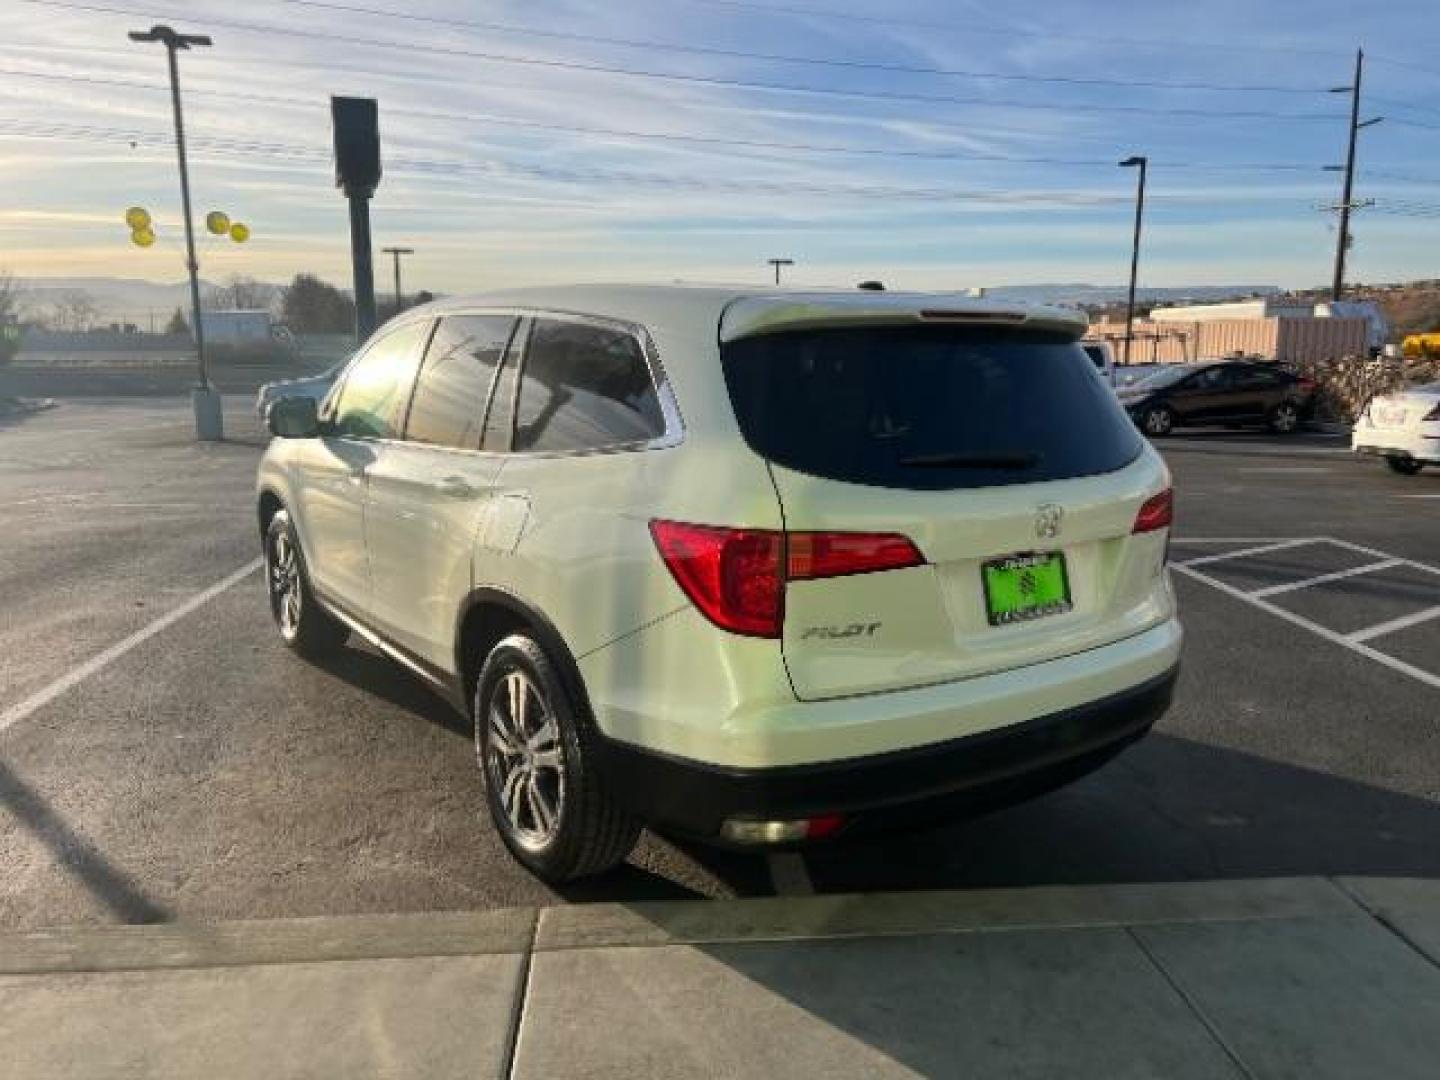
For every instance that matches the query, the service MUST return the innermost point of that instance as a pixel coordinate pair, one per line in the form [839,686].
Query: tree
[239,293]
[177,323]
[312,306]
[11,296]
[74,310]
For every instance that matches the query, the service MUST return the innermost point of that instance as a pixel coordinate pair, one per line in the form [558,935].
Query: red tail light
[1157,513]
[736,577]
[822,555]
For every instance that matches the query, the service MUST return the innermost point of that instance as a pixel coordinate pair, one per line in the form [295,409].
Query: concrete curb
[591,926]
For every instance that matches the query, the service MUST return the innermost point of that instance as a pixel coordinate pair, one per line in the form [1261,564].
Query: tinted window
[927,407]
[1251,378]
[584,387]
[449,403]
[1097,356]
[377,385]
[1210,380]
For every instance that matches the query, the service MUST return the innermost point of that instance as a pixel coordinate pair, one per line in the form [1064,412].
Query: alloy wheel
[285,593]
[1285,418]
[523,759]
[1157,422]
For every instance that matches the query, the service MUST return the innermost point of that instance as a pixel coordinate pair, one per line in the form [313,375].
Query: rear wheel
[1284,419]
[303,625]
[547,798]
[1405,466]
[1157,420]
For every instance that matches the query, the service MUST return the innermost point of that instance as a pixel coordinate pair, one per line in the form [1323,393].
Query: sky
[928,143]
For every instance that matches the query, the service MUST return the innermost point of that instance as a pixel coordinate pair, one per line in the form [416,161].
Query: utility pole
[204,399]
[777,264]
[1347,203]
[397,252]
[1142,163]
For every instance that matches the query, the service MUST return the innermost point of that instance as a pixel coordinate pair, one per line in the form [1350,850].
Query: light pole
[1347,203]
[1142,163]
[397,252]
[777,264]
[204,399]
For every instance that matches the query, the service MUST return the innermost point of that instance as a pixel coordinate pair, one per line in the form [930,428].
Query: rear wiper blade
[1016,460]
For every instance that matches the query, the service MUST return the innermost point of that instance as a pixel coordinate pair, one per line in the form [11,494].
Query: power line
[788,58]
[250,150]
[705,140]
[706,80]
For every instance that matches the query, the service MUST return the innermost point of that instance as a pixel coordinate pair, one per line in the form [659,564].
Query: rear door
[997,452]
[1203,397]
[430,493]
[1257,390]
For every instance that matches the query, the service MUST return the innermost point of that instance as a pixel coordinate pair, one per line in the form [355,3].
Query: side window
[371,403]
[584,387]
[1211,379]
[1251,378]
[449,403]
[502,404]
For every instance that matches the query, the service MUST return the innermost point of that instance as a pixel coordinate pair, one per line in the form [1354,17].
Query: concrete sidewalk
[1308,977]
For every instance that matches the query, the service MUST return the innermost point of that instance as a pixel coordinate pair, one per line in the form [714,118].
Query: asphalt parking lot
[162,757]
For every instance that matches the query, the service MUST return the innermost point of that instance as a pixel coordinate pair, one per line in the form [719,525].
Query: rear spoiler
[750,316]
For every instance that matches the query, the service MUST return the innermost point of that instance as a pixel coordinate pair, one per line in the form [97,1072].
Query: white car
[1403,428]
[311,386]
[757,567]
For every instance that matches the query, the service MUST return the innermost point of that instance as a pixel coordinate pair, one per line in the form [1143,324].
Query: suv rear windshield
[929,408]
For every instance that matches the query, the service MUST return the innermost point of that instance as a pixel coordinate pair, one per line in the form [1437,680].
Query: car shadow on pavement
[76,855]
[1168,809]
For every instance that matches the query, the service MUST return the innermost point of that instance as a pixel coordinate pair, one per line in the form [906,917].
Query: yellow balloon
[218,222]
[142,237]
[137,217]
[239,232]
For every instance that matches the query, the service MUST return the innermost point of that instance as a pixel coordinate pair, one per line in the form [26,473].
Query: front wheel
[1405,466]
[304,626]
[1157,421]
[543,785]
[1284,419]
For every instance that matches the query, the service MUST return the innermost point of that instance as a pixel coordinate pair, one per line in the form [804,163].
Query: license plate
[1020,588]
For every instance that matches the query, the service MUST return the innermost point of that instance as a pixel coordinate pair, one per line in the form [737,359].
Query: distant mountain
[122,299]
[1094,295]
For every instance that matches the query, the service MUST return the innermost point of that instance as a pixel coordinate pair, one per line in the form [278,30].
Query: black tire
[586,830]
[1284,419]
[1405,466]
[304,626]
[1157,421]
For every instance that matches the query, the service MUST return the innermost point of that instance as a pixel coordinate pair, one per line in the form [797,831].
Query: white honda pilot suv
[756,567]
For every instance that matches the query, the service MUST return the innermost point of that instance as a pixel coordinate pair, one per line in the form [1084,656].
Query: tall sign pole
[1143,164]
[209,422]
[1347,198]
[357,172]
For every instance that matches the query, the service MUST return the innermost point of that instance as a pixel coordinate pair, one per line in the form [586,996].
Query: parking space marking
[1261,549]
[1286,470]
[1354,641]
[1415,618]
[75,676]
[1419,674]
[1321,579]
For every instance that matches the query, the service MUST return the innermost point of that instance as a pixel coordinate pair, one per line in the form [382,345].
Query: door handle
[455,487]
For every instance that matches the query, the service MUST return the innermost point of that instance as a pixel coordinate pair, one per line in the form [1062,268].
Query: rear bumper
[970,774]
[1377,442]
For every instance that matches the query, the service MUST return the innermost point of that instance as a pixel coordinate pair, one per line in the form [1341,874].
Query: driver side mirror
[294,418]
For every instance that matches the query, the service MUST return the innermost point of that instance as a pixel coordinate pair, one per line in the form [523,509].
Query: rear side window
[584,387]
[449,403]
[929,408]
[377,385]
[1252,378]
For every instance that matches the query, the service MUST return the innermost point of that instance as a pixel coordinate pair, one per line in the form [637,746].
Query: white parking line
[1286,470]
[1415,618]
[1261,549]
[1419,674]
[1338,575]
[75,676]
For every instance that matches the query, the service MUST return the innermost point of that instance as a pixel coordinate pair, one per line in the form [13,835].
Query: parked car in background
[1227,394]
[757,567]
[1102,355]
[311,386]
[1403,428]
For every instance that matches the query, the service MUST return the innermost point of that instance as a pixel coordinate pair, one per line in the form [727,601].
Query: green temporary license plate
[1019,588]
